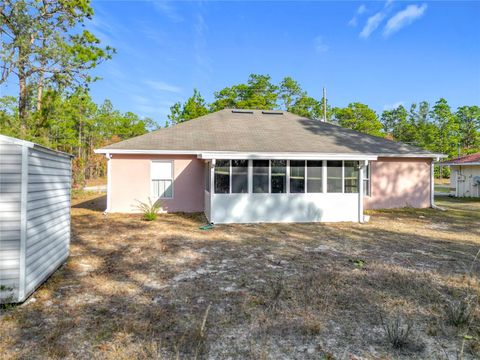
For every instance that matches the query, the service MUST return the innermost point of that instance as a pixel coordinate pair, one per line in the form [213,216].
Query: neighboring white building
[465,176]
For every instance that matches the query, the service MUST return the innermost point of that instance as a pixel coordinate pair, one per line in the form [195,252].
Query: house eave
[207,155]
[461,164]
[412,155]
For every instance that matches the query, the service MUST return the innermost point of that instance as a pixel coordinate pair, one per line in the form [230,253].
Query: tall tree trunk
[22,102]
[40,92]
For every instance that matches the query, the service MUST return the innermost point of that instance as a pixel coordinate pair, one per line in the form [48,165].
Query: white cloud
[372,24]
[403,18]
[320,45]
[163,86]
[200,46]
[394,105]
[164,7]
[361,9]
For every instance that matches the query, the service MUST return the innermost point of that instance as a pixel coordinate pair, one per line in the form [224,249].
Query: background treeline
[46,51]
[434,127]
[74,123]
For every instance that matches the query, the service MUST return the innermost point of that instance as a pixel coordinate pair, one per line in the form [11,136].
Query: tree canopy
[359,117]
[435,128]
[43,44]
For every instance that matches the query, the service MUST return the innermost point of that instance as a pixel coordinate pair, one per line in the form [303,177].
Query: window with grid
[162,179]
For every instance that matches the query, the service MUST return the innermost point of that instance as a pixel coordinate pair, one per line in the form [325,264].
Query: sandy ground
[404,285]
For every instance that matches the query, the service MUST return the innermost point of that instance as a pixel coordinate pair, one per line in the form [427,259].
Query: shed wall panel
[48,216]
[10,178]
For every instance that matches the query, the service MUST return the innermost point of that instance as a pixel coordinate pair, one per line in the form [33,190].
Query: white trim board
[284,156]
[202,154]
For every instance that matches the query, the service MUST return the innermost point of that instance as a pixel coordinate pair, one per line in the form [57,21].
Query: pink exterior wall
[399,182]
[130,181]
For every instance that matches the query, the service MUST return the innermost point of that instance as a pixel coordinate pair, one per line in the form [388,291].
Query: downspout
[109,181]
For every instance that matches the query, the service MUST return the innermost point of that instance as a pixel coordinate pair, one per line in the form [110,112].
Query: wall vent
[239,111]
[272,112]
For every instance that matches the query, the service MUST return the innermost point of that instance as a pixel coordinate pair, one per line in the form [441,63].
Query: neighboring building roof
[258,131]
[472,159]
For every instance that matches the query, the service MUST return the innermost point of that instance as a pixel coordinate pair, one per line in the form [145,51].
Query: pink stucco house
[242,166]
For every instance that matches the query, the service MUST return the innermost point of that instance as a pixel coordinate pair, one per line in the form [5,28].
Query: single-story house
[464,175]
[243,166]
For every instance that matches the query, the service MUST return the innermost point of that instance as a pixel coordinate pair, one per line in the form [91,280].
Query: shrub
[460,312]
[149,210]
[397,332]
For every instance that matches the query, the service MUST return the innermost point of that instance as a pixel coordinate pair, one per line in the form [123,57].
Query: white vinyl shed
[35,187]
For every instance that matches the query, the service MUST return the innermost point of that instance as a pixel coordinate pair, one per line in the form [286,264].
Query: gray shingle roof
[261,131]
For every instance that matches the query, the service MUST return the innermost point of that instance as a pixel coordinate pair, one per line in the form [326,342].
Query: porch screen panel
[351,176]
[314,176]
[334,176]
[297,176]
[279,176]
[207,176]
[162,179]
[260,176]
[239,176]
[222,177]
[366,180]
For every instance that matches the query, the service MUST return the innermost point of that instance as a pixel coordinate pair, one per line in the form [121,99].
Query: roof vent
[238,111]
[272,112]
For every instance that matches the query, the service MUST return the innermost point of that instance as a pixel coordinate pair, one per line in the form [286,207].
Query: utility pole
[324,104]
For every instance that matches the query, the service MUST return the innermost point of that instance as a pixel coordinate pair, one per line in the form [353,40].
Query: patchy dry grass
[165,289]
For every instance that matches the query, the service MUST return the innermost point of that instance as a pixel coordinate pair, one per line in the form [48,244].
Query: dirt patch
[402,286]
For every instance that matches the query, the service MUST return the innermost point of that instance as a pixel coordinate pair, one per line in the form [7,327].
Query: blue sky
[380,53]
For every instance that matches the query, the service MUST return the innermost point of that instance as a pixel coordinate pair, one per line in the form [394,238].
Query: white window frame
[152,195]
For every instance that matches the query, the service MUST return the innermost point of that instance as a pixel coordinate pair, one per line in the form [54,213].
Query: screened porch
[283,190]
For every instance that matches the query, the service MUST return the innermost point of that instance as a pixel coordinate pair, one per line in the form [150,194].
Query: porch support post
[362,166]
[432,184]
[250,176]
[212,189]
[109,181]
[324,176]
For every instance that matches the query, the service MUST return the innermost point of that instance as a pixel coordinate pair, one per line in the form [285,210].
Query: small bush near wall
[149,209]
